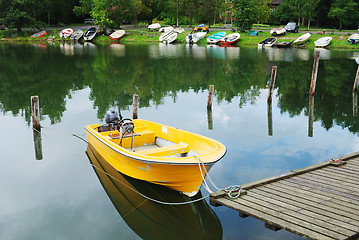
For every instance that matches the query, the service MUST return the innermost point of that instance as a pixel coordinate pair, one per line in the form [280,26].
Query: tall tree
[344,11]
[310,10]
[262,10]
[16,13]
[244,14]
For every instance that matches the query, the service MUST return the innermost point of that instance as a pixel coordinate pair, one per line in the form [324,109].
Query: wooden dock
[317,202]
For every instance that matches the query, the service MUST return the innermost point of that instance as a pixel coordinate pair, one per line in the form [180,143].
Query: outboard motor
[111,117]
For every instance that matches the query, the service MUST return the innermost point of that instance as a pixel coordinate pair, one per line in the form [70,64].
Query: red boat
[117,35]
[39,34]
[230,39]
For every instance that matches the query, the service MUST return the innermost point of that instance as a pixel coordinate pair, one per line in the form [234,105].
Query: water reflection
[152,220]
[118,49]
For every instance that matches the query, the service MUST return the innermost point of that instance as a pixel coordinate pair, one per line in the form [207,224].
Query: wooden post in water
[314,73]
[37,144]
[210,95]
[35,113]
[271,84]
[356,81]
[355,104]
[209,118]
[270,121]
[135,105]
[310,117]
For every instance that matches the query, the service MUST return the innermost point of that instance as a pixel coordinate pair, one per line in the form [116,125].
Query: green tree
[310,10]
[344,11]
[16,13]
[244,14]
[262,10]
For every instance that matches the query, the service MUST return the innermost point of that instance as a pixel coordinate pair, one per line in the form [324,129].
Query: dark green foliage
[244,14]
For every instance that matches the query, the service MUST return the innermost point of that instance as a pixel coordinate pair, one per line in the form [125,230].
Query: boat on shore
[268,42]
[354,38]
[166,29]
[302,39]
[39,34]
[117,35]
[76,35]
[230,39]
[65,33]
[154,26]
[168,37]
[323,42]
[283,44]
[215,38]
[278,31]
[195,37]
[155,152]
[90,33]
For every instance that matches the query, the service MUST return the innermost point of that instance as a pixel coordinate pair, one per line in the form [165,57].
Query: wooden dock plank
[319,194]
[334,175]
[309,199]
[273,220]
[295,212]
[316,202]
[314,211]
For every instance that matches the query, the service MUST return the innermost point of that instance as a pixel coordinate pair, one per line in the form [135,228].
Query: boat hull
[184,174]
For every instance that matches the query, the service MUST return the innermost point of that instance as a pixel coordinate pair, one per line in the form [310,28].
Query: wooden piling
[37,144]
[314,73]
[270,121]
[356,82]
[35,113]
[310,116]
[209,118]
[271,84]
[355,104]
[210,95]
[135,105]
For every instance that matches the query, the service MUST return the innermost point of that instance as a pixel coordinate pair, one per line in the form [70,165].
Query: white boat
[278,31]
[65,33]
[269,42]
[302,39]
[179,30]
[116,35]
[166,29]
[154,26]
[90,33]
[323,42]
[77,35]
[354,38]
[193,38]
[168,37]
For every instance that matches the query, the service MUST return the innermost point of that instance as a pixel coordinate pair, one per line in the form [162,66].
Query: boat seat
[166,151]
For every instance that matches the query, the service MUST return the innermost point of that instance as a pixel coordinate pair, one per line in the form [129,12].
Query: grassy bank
[143,36]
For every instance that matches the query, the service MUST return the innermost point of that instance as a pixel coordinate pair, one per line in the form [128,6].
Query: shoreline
[143,36]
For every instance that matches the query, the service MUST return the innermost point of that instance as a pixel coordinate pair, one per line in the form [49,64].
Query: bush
[167,21]
[183,21]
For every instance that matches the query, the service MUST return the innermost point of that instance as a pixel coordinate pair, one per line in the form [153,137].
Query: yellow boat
[149,219]
[156,153]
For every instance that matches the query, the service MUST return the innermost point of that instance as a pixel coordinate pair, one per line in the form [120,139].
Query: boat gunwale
[156,160]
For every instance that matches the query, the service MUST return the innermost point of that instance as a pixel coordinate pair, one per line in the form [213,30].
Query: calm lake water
[62,196]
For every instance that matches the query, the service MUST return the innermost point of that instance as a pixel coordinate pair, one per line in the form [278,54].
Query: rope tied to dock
[230,189]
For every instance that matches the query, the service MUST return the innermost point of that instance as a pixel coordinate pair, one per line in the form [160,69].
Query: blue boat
[216,37]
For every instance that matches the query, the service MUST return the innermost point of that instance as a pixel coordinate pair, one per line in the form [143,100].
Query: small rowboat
[166,29]
[154,26]
[65,33]
[155,152]
[77,35]
[215,38]
[230,39]
[354,38]
[283,44]
[323,42]
[278,31]
[116,35]
[193,38]
[125,192]
[302,39]
[269,42]
[90,33]
[39,34]
[168,37]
